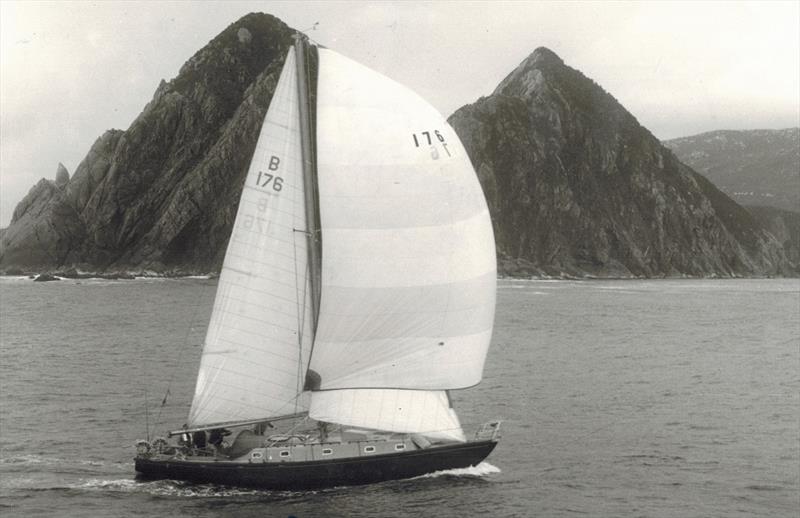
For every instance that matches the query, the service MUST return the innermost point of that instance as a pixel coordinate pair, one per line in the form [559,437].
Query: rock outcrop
[577,186]
[62,176]
[784,225]
[45,228]
[754,167]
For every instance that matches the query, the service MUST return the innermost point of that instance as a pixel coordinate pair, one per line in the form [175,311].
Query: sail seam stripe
[262,305]
[260,408]
[259,378]
[278,222]
[275,355]
[256,272]
[253,247]
[264,380]
[467,309]
[275,265]
[265,292]
[276,208]
[255,319]
[477,217]
[233,342]
[258,275]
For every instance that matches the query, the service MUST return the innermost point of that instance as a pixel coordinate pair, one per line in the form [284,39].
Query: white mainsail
[408,270]
[257,345]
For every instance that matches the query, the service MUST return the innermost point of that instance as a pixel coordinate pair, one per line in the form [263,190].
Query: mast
[301,48]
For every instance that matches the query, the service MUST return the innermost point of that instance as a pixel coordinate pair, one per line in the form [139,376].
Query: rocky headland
[575,185]
[160,196]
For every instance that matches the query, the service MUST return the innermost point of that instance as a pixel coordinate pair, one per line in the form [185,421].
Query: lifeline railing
[488,431]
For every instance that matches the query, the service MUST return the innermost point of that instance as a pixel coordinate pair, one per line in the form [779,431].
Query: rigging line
[300,294]
[146,417]
[179,350]
[300,320]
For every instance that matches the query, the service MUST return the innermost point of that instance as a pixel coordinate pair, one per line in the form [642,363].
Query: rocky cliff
[576,185]
[755,167]
[784,225]
[161,195]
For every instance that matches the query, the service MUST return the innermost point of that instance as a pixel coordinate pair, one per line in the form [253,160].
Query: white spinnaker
[408,258]
[425,412]
[256,348]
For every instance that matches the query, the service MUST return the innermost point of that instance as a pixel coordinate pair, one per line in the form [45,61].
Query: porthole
[399,447]
[257,455]
[369,449]
[327,451]
[285,453]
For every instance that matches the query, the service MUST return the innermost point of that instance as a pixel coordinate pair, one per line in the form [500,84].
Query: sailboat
[357,290]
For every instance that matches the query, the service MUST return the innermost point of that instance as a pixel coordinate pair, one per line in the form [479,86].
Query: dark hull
[320,473]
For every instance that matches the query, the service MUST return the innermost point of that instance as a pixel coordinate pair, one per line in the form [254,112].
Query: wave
[33,459]
[481,470]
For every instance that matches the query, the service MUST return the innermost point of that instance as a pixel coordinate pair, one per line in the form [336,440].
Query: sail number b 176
[420,139]
[265,179]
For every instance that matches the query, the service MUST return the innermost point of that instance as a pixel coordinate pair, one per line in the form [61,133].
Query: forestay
[408,270]
[256,349]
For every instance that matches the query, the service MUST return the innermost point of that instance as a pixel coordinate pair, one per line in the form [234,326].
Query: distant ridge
[754,167]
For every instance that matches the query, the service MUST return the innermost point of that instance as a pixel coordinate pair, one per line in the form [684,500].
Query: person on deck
[185,439]
[323,431]
[261,427]
[216,437]
[199,439]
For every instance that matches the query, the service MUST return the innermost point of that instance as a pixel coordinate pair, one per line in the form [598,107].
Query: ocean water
[619,398]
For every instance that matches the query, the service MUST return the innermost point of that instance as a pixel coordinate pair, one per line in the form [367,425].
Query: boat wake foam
[481,470]
[173,488]
[181,489]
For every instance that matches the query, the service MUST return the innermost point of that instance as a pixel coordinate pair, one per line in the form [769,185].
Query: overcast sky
[71,70]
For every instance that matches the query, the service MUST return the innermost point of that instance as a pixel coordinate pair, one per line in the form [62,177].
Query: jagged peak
[62,175]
